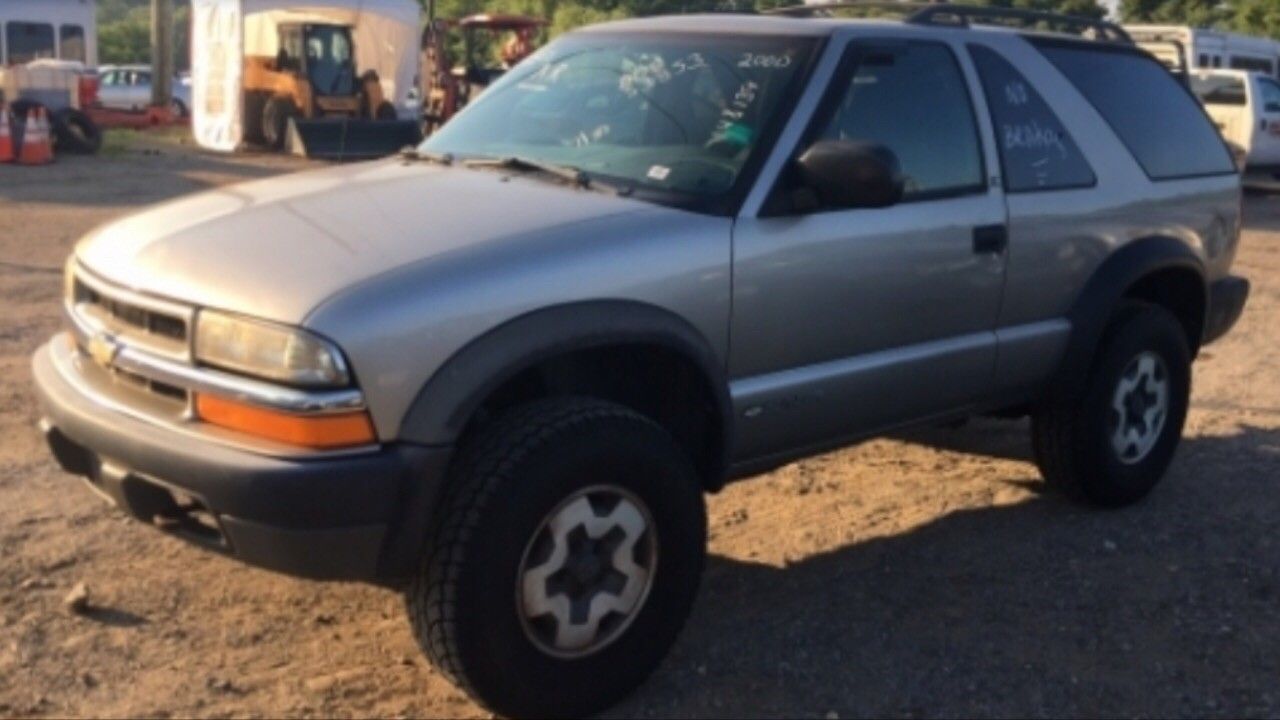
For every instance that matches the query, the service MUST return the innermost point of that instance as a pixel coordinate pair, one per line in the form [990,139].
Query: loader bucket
[345,139]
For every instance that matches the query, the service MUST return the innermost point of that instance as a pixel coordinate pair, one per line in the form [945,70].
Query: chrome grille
[131,319]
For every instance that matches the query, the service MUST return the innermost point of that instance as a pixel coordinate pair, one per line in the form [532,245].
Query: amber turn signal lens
[313,431]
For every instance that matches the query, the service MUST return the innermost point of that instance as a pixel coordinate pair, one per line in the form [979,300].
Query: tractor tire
[1111,443]
[75,132]
[275,121]
[540,509]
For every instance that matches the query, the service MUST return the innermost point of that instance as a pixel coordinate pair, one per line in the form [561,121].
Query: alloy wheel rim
[586,572]
[1139,408]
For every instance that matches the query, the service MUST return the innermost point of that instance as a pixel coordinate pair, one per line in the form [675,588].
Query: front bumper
[1226,303]
[355,517]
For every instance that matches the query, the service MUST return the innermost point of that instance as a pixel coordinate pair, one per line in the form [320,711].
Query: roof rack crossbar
[954,15]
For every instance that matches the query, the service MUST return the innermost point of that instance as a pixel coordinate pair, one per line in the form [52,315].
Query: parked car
[1245,106]
[128,87]
[501,371]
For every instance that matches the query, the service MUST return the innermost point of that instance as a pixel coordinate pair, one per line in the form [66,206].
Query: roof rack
[924,13]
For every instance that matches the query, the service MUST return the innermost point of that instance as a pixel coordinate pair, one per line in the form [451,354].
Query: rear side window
[1036,151]
[1155,117]
[1219,90]
[912,98]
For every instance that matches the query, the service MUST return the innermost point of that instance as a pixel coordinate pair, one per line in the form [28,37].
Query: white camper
[225,32]
[1205,49]
[48,29]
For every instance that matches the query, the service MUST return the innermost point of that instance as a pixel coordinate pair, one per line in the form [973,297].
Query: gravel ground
[925,574]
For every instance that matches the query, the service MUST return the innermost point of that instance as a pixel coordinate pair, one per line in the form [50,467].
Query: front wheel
[566,560]
[275,121]
[1112,443]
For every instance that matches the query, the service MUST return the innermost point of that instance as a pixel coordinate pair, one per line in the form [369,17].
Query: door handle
[990,239]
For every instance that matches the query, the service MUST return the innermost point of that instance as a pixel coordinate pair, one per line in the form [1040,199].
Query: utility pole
[161,53]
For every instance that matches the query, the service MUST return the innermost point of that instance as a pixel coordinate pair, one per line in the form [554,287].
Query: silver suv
[501,370]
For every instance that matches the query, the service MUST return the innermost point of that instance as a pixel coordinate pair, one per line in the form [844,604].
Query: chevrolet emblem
[102,349]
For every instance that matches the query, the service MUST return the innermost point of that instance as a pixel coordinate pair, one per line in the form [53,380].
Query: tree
[1256,17]
[1197,13]
[124,32]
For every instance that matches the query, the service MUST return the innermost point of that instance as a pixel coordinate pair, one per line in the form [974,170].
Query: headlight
[266,350]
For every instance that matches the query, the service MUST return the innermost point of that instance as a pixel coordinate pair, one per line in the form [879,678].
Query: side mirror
[851,174]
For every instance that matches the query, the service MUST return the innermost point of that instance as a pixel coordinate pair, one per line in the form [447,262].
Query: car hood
[278,248]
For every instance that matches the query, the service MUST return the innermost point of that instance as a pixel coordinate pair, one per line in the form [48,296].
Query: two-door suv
[502,370]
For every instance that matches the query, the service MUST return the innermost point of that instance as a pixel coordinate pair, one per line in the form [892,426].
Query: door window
[912,98]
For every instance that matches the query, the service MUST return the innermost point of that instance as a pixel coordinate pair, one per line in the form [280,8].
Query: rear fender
[1104,291]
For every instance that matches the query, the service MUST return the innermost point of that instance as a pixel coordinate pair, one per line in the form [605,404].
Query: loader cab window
[329,62]
[29,41]
[290,55]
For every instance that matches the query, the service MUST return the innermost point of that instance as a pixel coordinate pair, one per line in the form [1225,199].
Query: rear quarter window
[1036,151]
[1152,114]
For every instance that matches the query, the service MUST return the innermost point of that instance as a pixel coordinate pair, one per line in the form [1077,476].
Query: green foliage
[124,32]
[1252,17]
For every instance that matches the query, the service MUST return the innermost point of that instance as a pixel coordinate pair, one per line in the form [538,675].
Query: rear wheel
[1112,443]
[566,560]
[275,121]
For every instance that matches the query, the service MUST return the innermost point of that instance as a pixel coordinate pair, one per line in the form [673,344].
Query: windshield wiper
[572,175]
[413,153]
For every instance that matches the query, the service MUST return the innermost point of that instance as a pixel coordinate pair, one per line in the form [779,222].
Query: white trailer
[1205,49]
[48,29]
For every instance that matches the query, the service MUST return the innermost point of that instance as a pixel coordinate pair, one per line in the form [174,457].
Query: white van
[48,29]
[1246,108]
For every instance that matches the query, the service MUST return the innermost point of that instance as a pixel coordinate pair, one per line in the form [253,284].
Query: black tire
[178,108]
[463,605]
[275,121]
[1072,436]
[75,132]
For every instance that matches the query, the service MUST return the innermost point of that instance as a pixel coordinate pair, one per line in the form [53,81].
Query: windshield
[676,116]
[329,64]
[1219,90]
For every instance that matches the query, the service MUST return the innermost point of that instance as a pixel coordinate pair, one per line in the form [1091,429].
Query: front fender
[447,401]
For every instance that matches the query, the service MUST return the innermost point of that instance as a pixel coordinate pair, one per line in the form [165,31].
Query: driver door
[850,321]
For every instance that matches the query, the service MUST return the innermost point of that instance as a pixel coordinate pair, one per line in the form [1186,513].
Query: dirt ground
[924,575]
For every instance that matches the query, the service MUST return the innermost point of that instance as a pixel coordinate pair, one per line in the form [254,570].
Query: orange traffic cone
[37,146]
[6,137]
